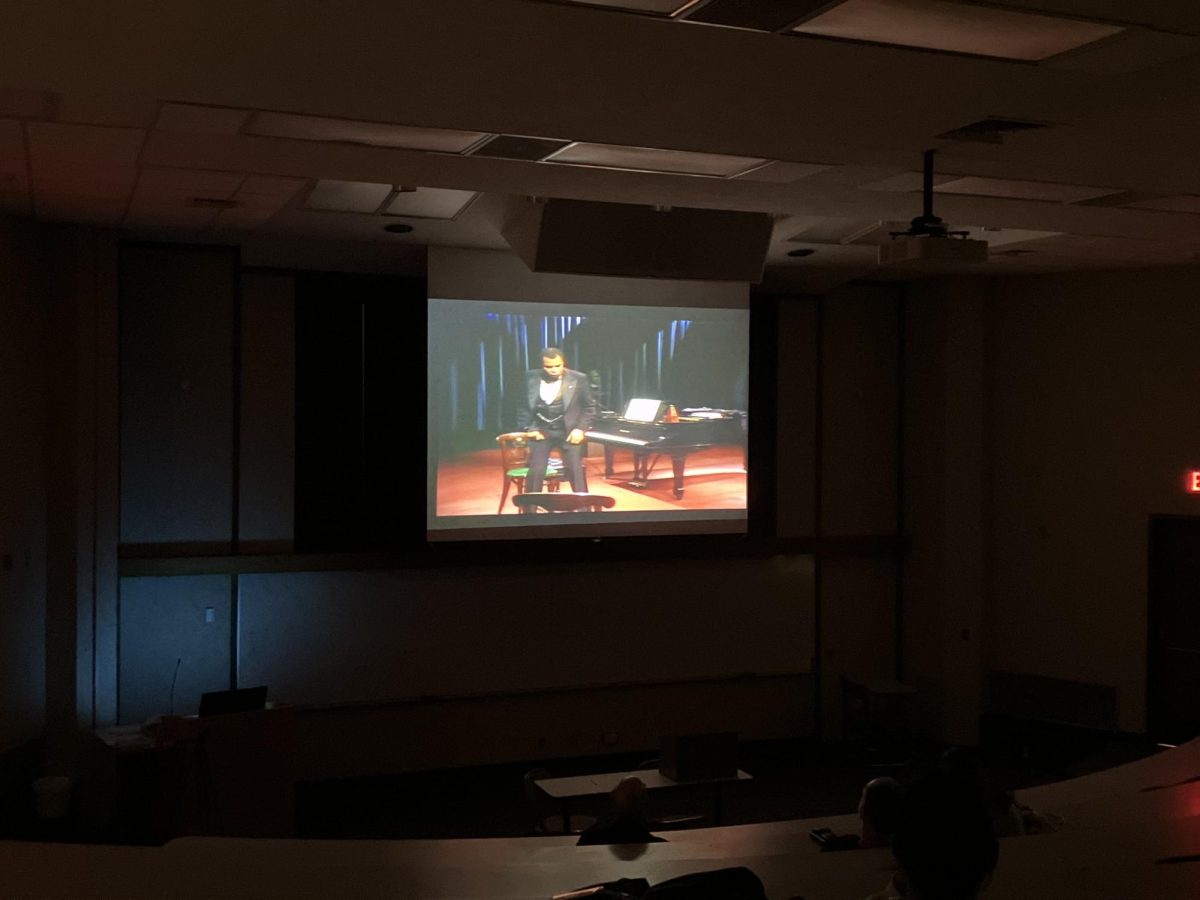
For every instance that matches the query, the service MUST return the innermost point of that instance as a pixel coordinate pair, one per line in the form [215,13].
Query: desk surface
[594,785]
[1112,851]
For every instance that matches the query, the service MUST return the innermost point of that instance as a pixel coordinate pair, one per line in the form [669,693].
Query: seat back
[514,450]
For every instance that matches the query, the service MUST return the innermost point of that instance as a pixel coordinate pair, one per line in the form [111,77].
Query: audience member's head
[944,840]
[625,820]
[629,798]
[879,809]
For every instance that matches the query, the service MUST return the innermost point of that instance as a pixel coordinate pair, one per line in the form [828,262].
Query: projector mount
[927,224]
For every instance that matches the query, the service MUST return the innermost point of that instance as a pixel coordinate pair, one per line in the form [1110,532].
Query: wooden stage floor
[470,484]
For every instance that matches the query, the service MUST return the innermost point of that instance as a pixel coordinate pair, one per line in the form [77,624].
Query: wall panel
[796,417]
[858,629]
[267,446]
[23,496]
[376,636]
[860,391]
[165,622]
[1093,390]
[177,380]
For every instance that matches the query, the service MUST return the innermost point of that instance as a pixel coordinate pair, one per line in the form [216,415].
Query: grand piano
[647,429]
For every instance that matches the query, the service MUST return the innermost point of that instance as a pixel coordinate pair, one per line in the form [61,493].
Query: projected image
[620,415]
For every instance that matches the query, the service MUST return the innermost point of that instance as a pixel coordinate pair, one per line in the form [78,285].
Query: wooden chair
[514,465]
[564,501]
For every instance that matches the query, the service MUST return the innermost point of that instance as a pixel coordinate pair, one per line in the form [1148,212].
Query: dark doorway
[1173,677]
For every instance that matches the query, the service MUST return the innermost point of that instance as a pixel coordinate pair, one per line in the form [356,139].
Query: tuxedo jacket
[579,406]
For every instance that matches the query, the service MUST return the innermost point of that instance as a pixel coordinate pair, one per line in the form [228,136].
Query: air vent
[991,130]
[758,15]
[511,146]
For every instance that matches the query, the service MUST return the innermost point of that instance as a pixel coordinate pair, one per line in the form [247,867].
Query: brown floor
[471,484]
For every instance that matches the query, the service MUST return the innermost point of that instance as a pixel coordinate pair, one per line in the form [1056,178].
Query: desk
[230,774]
[1093,857]
[576,787]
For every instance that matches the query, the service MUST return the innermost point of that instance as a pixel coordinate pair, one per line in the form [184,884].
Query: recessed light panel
[956,27]
[347,196]
[649,159]
[374,134]
[1022,190]
[429,203]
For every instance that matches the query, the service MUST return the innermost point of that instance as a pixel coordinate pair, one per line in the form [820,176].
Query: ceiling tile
[16,203]
[759,15]
[1133,51]
[242,218]
[111,182]
[52,143]
[375,134]
[1001,237]
[1022,190]
[1185,203]
[178,217]
[72,208]
[20,104]
[272,185]
[347,196]
[656,7]
[191,118]
[836,231]
[905,182]
[12,148]
[429,203]
[782,172]
[189,182]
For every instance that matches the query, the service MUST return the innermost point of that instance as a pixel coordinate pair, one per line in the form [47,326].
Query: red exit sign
[1193,481]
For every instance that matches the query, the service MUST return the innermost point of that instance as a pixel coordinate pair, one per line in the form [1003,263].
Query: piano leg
[677,460]
[609,453]
[641,468]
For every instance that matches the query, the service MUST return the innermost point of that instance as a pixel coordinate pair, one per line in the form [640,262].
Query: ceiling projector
[928,238]
[906,248]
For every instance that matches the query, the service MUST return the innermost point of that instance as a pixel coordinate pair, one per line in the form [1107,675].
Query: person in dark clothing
[944,841]
[879,808]
[559,410]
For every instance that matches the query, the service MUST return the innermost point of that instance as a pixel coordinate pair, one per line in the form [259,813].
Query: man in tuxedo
[559,409]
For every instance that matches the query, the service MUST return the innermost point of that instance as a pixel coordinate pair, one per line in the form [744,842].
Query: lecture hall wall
[431,656]
[1012,391]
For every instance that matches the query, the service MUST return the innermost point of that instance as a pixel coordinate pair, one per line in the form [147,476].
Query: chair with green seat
[514,464]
